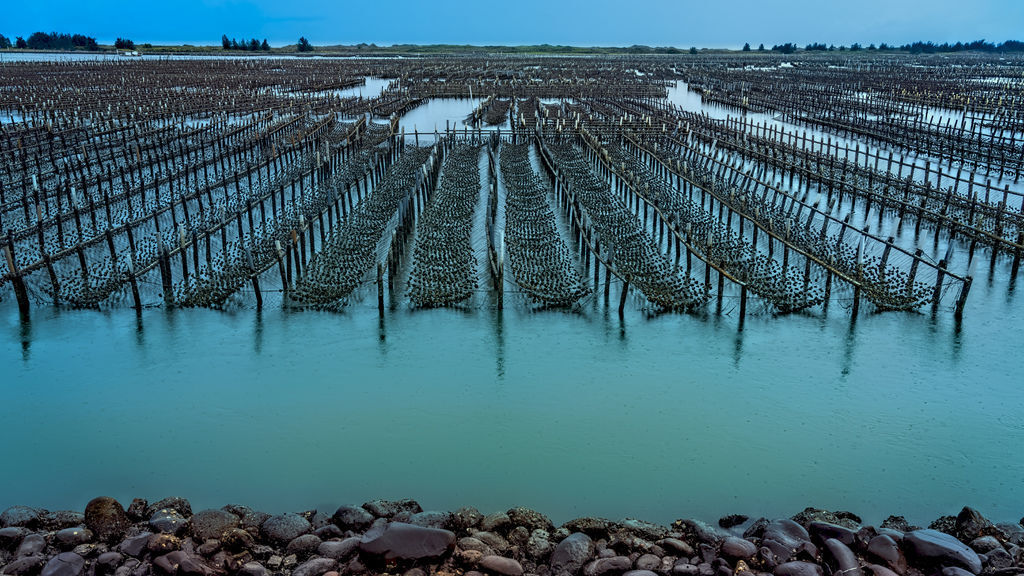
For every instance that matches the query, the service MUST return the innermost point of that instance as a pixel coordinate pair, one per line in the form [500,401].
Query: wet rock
[71,537]
[639,573]
[641,529]
[174,503]
[237,540]
[432,519]
[877,570]
[284,528]
[64,564]
[304,546]
[329,532]
[885,550]
[20,516]
[822,531]
[208,524]
[315,567]
[847,519]
[253,569]
[648,562]
[840,558]
[755,531]
[970,524]
[401,541]
[593,527]
[518,537]
[107,562]
[955,571]
[467,517]
[338,550]
[248,518]
[784,536]
[470,557]
[106,518]
[997,559]
[137,510]
[168,520]
[501,565]
[318,520]
[896,523]
[613,565]
[529,519]
[985,544]
[944,524]
[676,547]
[389,508]
[471,543]
[496,521]
[938,548]
[732,520]
[352,518]
[738,548]
[160,544]
[701,531]
[798,569]
[31,545]
[134,546]
[685,569]
[495,541]
[61,519]
[27,566]
[539,545]
[12,536]
[572,553]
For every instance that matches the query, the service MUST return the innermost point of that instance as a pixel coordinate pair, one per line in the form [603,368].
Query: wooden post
[380,289]
[962,300]
[16,280]
[622,298]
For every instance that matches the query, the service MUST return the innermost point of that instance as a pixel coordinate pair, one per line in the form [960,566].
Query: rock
[495,522]
[466,517]
[937,548]
[782,537]
[896,523]
[106,518]
[248,518]
[701,531]
[168,520]
[685,569]
[945,524]
[432,519]
[639,528]
[501,565]
[284,528]
[237,540]
[134,546]
[985,544]
[493,540]
[997,559]
[352,518]
[970,524]
[31,545]
[61,519]
[639,573]
[389,508]
[253,569]
[955,571]
[529,519]
[107,562]
[798,569]
[64,564]
[401,541]
[27,566]
[738,548]
[173,503]
[593,527]
[613,565]
[160,544]
[304,546]
[20,516]
[676,547]
[315,567]
[877,570]
[840,558]
[71,537]
[847,519]
[572,553]
[338,550]
[137,510]
[12,536]
[208,524]
[318,520]
[648,562]
[329,532]
[539,546]
[471,543]
[884,549]
[518,536]
[821,531]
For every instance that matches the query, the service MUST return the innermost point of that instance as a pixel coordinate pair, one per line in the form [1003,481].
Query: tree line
[252,45]
[913,48]
[51,41]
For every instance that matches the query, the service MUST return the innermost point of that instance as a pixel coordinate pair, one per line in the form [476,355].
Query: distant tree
[746,47]
[265,47]
[872,47]
[855,47]
[20,43]
[5,42]
[234,44]
[304,45]
[760,48]
[831,47]
[787,48]
[254,44]
[693,49]
[817,46]
[124,44]
[225,42]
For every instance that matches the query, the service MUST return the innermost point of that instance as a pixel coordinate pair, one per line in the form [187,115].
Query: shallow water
[571,413]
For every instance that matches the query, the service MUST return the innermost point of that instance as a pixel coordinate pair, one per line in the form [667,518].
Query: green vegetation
[5,42]
[304,45]
[53,41]
[124,44]
[252,45]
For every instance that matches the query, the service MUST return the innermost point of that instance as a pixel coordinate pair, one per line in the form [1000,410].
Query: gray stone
[821,531]
[970,524]
[738,548]
[315,567]
[106,518]
[471,543]
[467,517]
[352,518]
[284,528]
[529,519]
[639,573]
[878,570]
[107,562]
[318,520]
[253,569]
[389,508]
[685,569]
[137,510]
[784,536]
[249,518]
[31,545]
[648,562]
[985,544]
[22,516]
[71,537]
[11,536]
[174,503]
[955,571]
[640,528]
[884,549]
[495,541]
[593,527]
[572,553]
[841,558]
[160,544]
[539,544]
[304,546]
[237,540]
[27,566]
[61,519]
[937,548]
[501,565]
[339,550]
[432,519]
[613,565]
[809,515]
[64,564]
[677,547]
[401,541]
[998,559]
[798,569]
[208,524]
[134,546]
[496,521]
[168,520]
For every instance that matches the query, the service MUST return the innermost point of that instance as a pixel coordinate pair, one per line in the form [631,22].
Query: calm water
[571,413]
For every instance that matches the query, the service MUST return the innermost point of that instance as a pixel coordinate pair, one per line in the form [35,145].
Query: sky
[680,23]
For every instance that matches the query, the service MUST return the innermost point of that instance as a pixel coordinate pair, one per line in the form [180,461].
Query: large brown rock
[106,518]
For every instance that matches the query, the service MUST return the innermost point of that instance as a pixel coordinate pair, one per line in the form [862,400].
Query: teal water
[570,413]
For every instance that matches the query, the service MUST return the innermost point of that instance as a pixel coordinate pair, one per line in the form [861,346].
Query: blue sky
[683,23]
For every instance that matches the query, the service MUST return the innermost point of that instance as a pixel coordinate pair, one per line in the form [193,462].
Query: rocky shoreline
[166,538]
